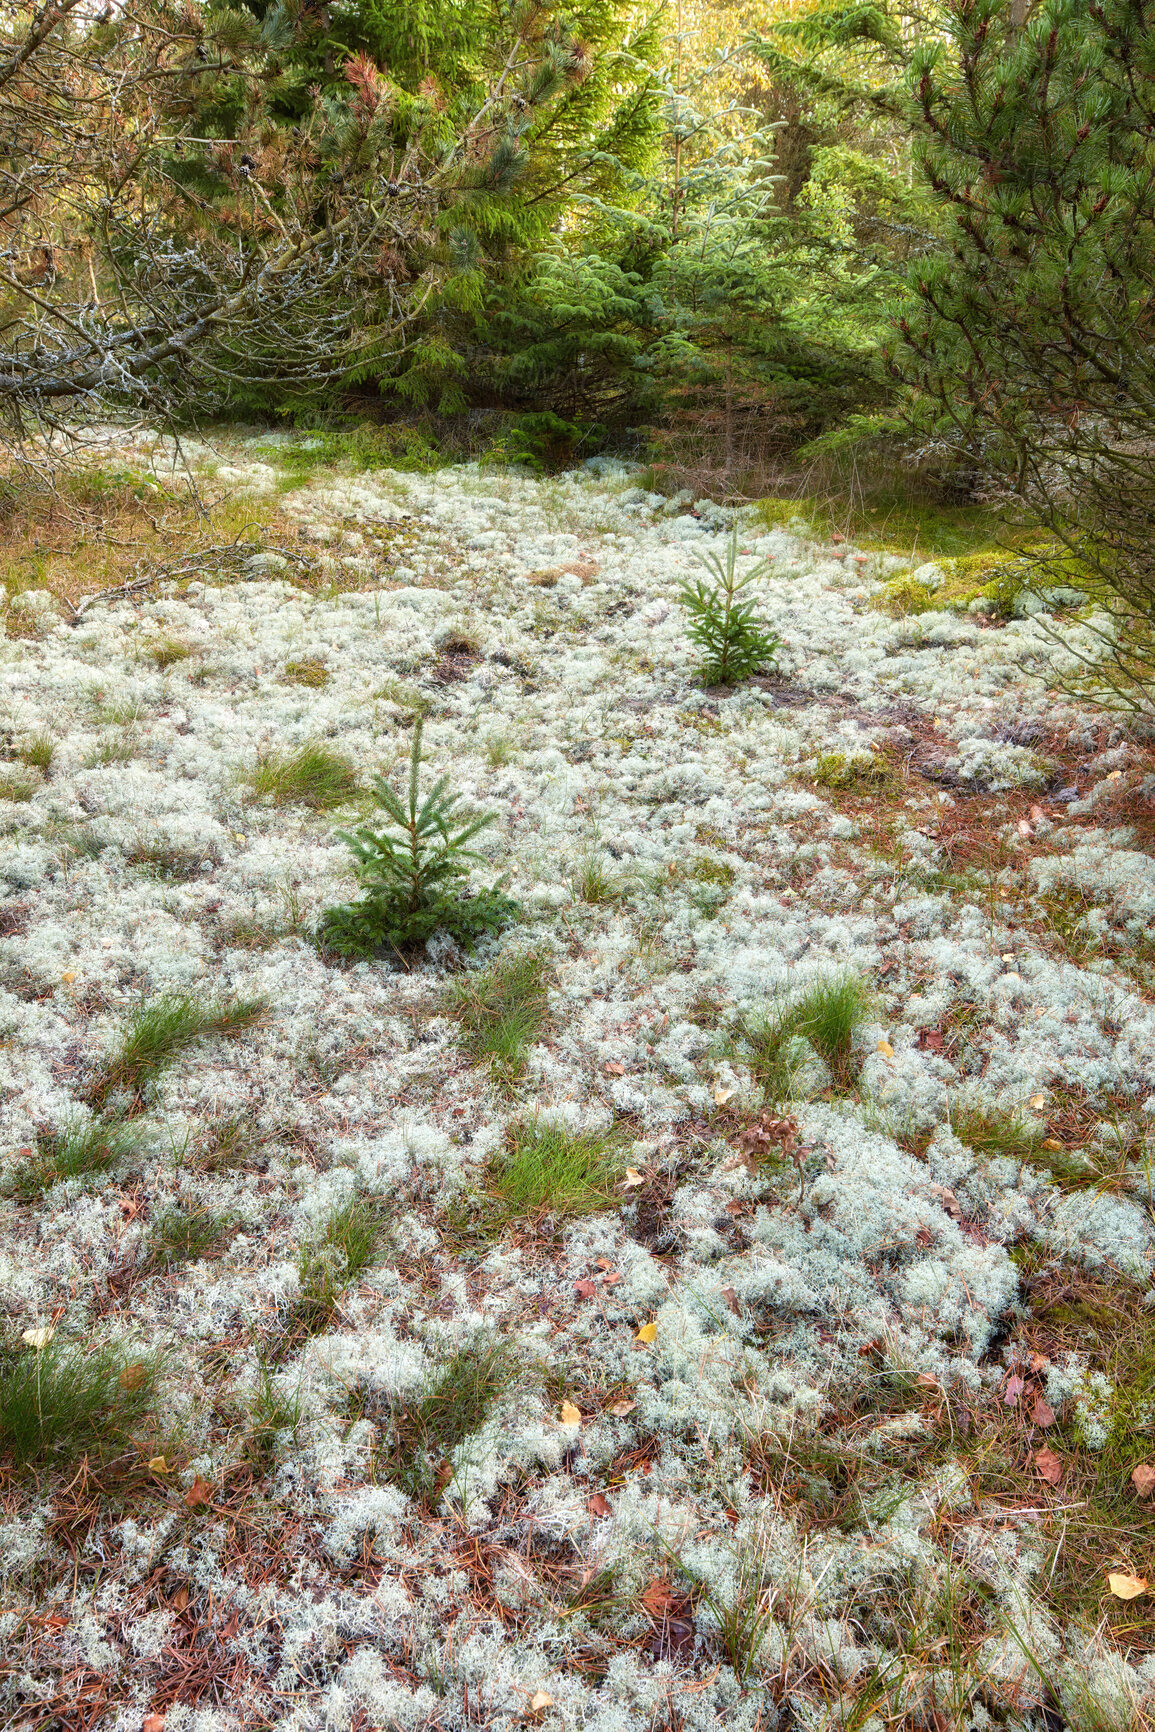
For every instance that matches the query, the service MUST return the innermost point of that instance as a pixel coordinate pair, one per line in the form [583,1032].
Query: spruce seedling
[726,628]
[414,874]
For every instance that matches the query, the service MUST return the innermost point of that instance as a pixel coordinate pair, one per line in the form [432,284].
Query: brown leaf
[152,1723]
[1042,1413]
[180,1599]
[658,1597]
[200,1491]
[930,1040]
[1143,1478]
[585,1289]
[615,1069]
[611,1279]
[599,1504]
[1048,1466]
[948,1200]
[731,1299]
[1013,1390]
[133,1377]
[621,1408]
[541,1701]
[602,1263]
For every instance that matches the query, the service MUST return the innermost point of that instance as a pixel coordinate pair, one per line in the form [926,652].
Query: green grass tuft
[546,1169]
[88,1146]
[991,1130]
[182,1235]
[38,752]
[593,882]
[313,776]
[421,1432]
[828,1015]
[347,1245]
[502,1010]
[62,1402]
[162,1028]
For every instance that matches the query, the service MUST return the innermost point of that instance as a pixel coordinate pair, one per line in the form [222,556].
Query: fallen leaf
[1125,1587]
[200,1491]
[541,1701]
[602,1263]
[721,1096]
[611,1279]
[1114,775]
[157,1464]
[632,1178]
[647,1333]
[658,1597]
[570,1415]
[1008,955]
[615,1069]
[180,1599]
[1037,1103]
[1042,1413]
[585,1289]
[926,1381]
[1025,828]
[731,1299]
[1048,1466]
[38,1338]
[884,1047]
[1053,1144]
[930,1040]
[948,1200]
[68,976]
[599,1504]
[1013,1390]
[1143,1478]
[152,1723]
[133,1377]
[621,1408]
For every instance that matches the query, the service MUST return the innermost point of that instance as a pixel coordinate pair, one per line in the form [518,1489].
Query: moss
[840,770]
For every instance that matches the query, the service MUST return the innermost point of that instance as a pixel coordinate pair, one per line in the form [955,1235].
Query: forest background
[896,258]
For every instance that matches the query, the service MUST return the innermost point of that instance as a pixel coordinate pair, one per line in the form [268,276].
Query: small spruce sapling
[414,874]
[734,641]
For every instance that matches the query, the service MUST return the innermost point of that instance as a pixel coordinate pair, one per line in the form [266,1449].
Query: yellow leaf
[721,1096]
[1038,1102]
[38,1338]
[1126,1587]
[1053,1144]
[158,1464]
[570,1415]
[648,1332]
[632,1178]
[239,836]
[132,1377]
[541,1701]
[1008,955]
[885,1048]
[68,976]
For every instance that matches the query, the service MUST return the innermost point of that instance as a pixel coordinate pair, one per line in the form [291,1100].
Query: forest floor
[724,1300]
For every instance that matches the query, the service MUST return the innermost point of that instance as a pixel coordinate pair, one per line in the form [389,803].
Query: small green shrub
[414,875]
[62,1402]
[159,1030]
[502,1011]
[734,641]
[546,1169]
[904,596]
[313,776]
[16,788]
[420,1432]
